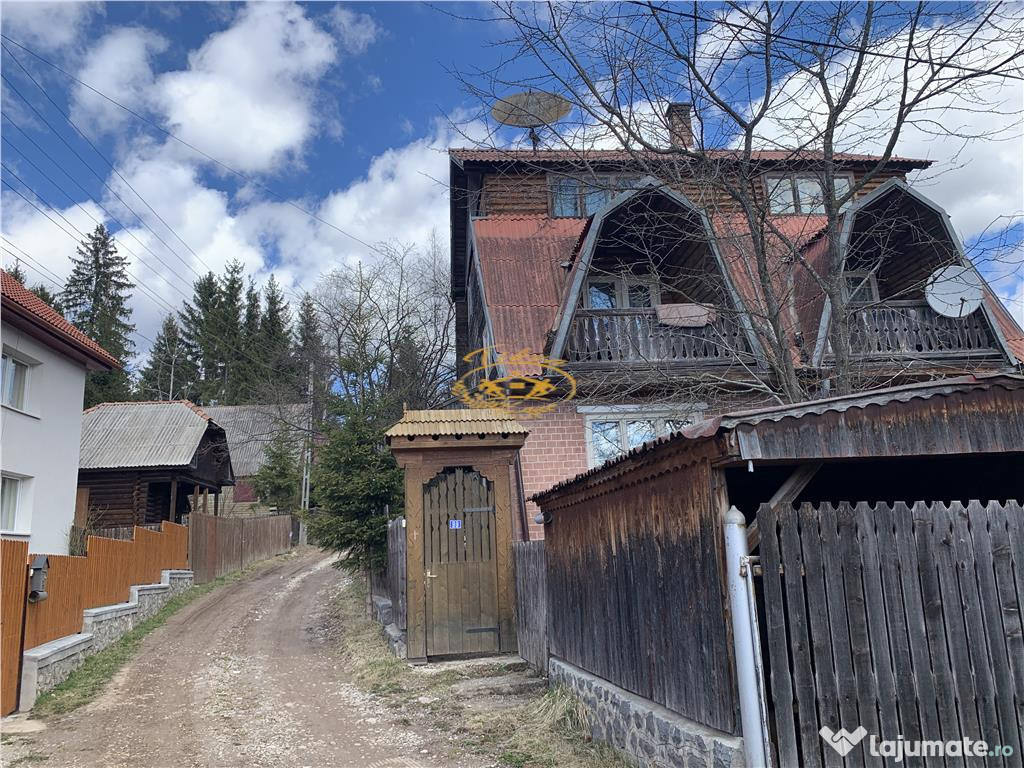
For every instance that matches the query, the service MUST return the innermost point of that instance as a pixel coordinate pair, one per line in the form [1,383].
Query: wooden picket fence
[219,545]
[103,577]
[903,619]
[532,603]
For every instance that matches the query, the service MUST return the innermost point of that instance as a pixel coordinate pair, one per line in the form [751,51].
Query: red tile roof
[621,155]
[18,299]
[520,259]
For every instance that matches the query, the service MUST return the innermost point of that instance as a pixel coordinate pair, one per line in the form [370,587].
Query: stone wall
[646,733]
[46,666]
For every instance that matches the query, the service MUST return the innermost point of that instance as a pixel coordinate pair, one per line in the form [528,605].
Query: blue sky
[343,109]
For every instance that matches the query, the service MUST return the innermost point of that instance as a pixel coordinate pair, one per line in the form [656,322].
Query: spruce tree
[95,299]
[251,343]
[15,271]
[275,336]
[47,295]
[199,332]
[309,360]
[229,336]
[169,374]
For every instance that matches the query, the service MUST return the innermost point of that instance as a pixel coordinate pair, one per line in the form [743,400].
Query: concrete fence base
[647,734]
[46,666]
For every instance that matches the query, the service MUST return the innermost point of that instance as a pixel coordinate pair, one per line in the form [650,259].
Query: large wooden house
[547,256]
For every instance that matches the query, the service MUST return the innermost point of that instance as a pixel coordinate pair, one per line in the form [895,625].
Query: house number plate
[454,524]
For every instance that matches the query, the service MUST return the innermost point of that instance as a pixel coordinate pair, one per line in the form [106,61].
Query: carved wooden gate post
[460,511]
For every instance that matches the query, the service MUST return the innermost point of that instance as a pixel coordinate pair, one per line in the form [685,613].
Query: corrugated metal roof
[251,428]
[464,421]
[45,315]
[621,155]
[751,418]
[144,434]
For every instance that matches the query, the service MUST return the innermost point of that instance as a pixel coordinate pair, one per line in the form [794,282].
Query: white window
[575,198]
[801,193]
[860,287]
[15,374]
[624,292]
[11,492]
[613,434]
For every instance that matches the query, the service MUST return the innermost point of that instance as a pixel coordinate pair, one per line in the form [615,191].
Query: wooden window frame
[606,182]
[622,284]
[771,178]
[861,275]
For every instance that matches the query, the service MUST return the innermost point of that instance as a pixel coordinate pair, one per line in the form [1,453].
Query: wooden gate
[905,620]
[460,563]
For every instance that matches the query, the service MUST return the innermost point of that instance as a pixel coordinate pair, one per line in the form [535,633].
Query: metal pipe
[743,641]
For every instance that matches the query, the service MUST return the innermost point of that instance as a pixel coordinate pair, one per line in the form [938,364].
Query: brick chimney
[680,130]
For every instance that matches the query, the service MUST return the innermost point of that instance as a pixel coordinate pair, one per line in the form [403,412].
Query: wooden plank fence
[532,603]
[395,576]
[903,619]
[219,545]
[13,575]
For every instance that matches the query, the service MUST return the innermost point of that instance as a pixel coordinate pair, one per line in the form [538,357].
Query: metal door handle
[431,575]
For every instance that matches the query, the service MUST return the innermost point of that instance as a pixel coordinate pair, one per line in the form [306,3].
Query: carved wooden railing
[914,329]
[634,336]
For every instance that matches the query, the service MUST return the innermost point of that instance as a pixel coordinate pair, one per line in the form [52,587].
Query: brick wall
[555,450]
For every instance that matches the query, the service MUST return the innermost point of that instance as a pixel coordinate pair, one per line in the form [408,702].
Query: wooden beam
[216,503]
[786,494]
[173,513]
[206,501]
[195,497]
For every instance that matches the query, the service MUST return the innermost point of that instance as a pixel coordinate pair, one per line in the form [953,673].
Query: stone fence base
[46,666]
[648,734]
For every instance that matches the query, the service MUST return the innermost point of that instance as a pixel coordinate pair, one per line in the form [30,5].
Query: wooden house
[149,461]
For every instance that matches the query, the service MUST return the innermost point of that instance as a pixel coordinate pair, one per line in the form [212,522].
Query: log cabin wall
[636,590]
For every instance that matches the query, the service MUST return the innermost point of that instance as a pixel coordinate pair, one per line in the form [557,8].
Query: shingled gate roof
[449,423]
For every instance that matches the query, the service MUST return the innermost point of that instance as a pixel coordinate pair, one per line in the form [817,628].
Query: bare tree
[814,83]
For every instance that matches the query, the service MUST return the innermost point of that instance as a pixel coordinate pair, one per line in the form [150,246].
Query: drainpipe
[747,672]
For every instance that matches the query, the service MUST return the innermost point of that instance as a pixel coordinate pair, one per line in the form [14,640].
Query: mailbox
[37,578]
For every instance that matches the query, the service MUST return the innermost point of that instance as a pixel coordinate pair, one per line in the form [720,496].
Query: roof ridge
[179,401]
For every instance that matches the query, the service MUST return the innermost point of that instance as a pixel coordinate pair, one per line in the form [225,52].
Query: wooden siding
[636,590]
[905,620]
[13,589]
[526,192]
[395,576]
[103,577]
[532,603]
[219,545]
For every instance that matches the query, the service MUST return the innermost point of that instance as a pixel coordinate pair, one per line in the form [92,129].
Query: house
[45,362]
[649,294]
[250,429]
[144,462]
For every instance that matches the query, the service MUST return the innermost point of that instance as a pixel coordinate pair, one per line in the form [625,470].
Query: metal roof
[747,421]
[251,428]
[465,421]
[143,434]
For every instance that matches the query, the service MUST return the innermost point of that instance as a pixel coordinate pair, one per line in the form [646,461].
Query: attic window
[801,193]
[574,198]
[860,287]
[620,293]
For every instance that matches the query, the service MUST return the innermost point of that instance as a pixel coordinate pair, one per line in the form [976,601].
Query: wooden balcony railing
[634,336]
[914,329]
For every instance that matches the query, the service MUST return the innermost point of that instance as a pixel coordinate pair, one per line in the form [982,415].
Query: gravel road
[244,676]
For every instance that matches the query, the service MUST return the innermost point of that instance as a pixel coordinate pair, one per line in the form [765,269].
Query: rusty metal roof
[465,421]
[808,418]
[141,434]
[622,155]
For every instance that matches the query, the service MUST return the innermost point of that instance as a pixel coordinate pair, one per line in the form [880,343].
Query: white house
[45,361]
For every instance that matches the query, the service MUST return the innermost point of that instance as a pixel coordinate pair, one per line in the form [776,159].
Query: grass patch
[550,730]
[86,682]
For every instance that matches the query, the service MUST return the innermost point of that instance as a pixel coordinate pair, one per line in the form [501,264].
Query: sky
[344,111]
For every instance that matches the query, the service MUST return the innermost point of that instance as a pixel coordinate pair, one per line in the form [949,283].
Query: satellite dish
[530,109]
[954,291]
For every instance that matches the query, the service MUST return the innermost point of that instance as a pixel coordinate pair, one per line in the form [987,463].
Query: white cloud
[355,31]
[119,67]
[247,95]
[47,27]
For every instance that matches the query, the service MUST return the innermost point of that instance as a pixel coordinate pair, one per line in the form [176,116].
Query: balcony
[635,337]
[902,329]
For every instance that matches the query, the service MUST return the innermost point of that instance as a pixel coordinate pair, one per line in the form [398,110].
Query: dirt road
[244,676]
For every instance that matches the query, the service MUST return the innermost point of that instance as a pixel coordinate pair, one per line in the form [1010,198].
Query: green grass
[86,682]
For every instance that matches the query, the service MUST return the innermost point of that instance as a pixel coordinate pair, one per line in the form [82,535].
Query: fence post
[747,673]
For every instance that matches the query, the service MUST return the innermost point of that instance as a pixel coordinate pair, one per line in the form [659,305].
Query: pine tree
[279,481]
[275,336]
[250,344]
[16,272]
[229,336]
[309,360]
[169,374]
[95,299]
[198,330]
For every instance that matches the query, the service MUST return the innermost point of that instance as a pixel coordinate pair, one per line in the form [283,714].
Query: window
[575,198]
[10,497]
[621,293]
[611,435]
[15,373]
[861,287]
[801,193]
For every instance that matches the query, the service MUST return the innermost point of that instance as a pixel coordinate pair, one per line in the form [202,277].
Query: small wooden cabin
[149,461]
